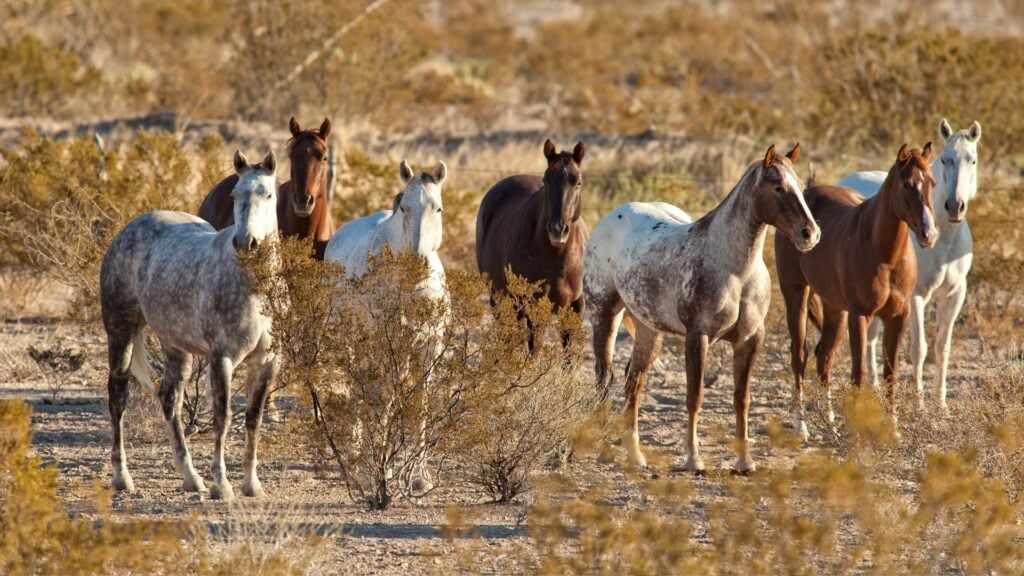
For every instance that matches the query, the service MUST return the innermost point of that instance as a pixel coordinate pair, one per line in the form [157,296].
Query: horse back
[218,208]
[500,218]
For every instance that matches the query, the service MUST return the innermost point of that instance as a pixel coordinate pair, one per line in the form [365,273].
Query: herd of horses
[867,251]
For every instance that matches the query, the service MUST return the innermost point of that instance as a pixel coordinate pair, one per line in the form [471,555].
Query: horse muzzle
[927,236]
[558,233]
[303,207]
[956,212]
[806,238]
[245,244]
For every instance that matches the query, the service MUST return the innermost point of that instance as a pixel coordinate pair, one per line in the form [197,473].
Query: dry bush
[384,394]
[56,363]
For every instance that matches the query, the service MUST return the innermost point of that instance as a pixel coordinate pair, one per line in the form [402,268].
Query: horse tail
[140,361]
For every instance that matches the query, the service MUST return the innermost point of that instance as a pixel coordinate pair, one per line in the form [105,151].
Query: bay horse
[535,227]
[941,271]
[303,208]
[174,272]
[705,279]
[412,226]
[863,268]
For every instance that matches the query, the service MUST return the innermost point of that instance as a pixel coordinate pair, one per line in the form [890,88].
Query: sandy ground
[73,432]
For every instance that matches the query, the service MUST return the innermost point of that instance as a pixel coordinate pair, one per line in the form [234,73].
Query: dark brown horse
[302,203]
[864,267]
[534,225]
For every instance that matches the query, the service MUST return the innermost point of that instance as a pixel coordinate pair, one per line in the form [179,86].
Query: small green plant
[56,363]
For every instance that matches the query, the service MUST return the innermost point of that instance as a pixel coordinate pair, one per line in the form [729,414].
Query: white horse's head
[255,198]
[958,168]
[418,209]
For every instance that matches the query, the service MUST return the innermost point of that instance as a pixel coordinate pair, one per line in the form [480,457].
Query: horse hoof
[124,483]
[254,490]
[193,483]
[745,473]
[636,459]
[222,492]
[695,466]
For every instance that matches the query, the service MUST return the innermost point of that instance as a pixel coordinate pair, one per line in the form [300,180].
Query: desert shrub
[56,363]
[353,346]
[42,81]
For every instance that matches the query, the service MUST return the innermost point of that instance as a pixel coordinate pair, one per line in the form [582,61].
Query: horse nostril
[960,207]
[947,205]
[805,234]
[253,244]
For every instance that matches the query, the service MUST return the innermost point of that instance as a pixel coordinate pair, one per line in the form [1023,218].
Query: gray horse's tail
[140,361]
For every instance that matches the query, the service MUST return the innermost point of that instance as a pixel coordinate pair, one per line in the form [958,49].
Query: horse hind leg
[177,367]
[645,351]
[796,298]
[948,310]
[831,335]
[119,357]
[258,378]
[606,318]
[918,344]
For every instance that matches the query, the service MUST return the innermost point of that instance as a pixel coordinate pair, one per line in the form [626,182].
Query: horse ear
[240,162]
[927,150]
[794,153]
[396,202]
[405,172]
[577,153]
[975,131]
[440,172]
[269,163]
[903,154]
[945,130]
[293,125]
[549,151]
[769,156]
[325,128]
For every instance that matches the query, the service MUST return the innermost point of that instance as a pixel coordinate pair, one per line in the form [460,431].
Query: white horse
[941,271]
[174,272]
[414,226]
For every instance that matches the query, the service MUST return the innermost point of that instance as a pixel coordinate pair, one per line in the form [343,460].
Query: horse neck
[735,232]
[888,233]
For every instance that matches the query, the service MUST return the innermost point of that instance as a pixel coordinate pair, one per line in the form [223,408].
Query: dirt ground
[72,431]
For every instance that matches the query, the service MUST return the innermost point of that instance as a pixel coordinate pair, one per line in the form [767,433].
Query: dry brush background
[672,100]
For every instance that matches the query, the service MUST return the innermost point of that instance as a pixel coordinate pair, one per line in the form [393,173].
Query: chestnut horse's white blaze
[174,272]
[413,226]
[941,271]
[706,279]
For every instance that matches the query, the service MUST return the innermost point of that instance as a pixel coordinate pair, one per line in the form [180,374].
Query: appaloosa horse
[302,208]
[863,268]
[941,271]
[535,226]
[174,272]
[706,279]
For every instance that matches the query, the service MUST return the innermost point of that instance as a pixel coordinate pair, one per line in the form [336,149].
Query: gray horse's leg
[177,366]
[259,375]
[220,379]
[119,344]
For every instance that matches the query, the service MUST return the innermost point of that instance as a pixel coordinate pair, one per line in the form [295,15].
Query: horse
[535,227]
[303,208]
[175,273]
[863,268]
[413,225]
[941,271]
[706,280]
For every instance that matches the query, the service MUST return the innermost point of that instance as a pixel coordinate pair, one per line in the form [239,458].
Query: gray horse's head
[419,208]
[780,199]
[958,168]
[255,198]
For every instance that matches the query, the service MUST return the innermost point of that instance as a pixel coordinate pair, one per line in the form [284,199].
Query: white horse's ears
[975,131]
[945,130]
[405,172]
[769,156]
[440,172]
[397,202]
[269,163]
[240,162]
[549,150]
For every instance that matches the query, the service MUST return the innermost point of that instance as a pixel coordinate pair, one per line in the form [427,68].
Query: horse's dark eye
[439,210]
[779,189]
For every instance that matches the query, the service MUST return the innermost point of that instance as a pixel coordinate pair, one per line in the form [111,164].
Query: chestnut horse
[863,268]
[302,205]
[535,226]
[705,279]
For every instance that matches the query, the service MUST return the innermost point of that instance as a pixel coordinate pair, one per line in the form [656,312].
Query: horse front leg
[744,354]
[831,331]
[948,311]
[796,298]
[894,329]
[605,318]
[259,376]
[696,354]
[648,344]
[874,333]
[918,344]
[221,368]
[858,324]
[577,307]
[177,366]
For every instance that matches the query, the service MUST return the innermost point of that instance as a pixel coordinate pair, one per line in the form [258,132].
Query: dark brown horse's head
[780,199]
[307,151]
[911,183]
[563,188]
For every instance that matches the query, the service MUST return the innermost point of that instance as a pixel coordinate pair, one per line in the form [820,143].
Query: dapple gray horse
[174,272]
